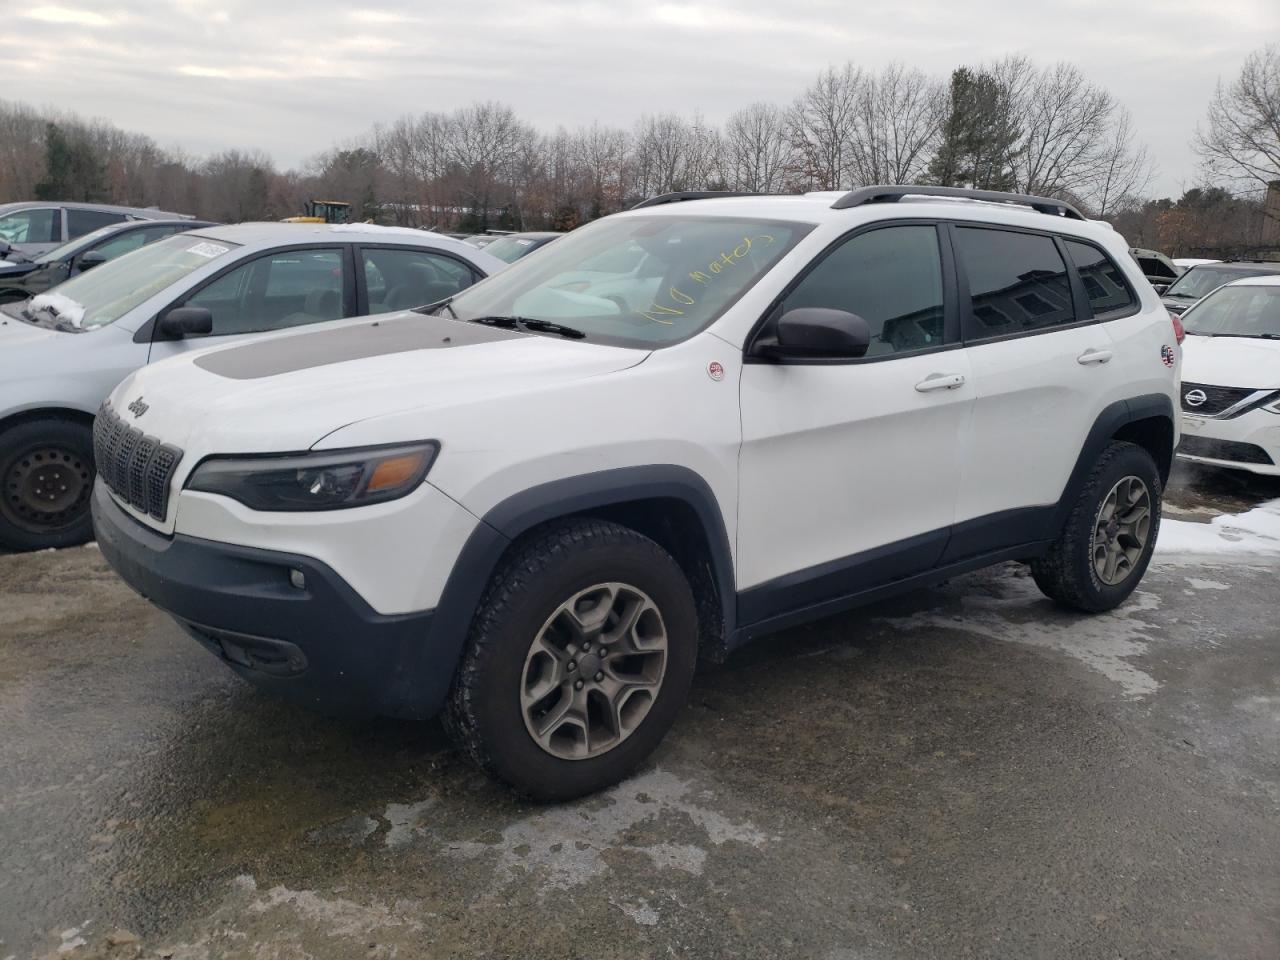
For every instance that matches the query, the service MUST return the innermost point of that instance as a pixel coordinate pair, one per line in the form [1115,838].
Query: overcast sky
[293,76]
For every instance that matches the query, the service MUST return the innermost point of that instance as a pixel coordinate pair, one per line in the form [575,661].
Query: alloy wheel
[594,671]
[1121,529]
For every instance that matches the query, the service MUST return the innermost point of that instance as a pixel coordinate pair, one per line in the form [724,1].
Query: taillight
[1178,332]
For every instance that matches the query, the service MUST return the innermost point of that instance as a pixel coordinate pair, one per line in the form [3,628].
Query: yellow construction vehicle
[323,211]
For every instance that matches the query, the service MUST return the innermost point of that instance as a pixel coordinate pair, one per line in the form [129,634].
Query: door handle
[940,381]
[1094,356]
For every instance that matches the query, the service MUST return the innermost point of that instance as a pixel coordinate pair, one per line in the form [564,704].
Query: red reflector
[1178,332]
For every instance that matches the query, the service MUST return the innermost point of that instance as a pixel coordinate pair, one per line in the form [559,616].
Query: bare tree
[1242,144]
[1125,169]
[896,122]
[1063,119]
[757,149]
[601,152]
[822,127]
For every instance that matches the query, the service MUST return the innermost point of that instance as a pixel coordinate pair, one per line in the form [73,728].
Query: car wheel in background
[46,478]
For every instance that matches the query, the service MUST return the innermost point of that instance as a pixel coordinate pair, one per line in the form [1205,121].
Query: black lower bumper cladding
[287,623]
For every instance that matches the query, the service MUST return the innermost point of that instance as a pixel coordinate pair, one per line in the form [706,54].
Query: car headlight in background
[325,480]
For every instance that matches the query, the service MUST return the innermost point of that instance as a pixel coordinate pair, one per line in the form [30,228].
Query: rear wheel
[1107,541]
[580,657]
[46,478]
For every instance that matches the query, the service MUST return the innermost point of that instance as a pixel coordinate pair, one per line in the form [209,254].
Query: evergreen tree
[72,169]
[979,136]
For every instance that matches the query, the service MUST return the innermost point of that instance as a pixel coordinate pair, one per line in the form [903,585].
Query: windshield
[636,281]
[107,293]
[71,246]
[1199,281]
[1243,311]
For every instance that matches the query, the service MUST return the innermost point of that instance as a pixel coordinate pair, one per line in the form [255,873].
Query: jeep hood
[1231,362]
[285,393]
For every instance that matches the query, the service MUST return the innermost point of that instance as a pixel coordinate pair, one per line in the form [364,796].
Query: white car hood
[1232,362]
[15,333]
[285,393]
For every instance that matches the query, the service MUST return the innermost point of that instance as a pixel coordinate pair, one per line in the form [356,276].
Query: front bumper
[1250,442]
[321,644]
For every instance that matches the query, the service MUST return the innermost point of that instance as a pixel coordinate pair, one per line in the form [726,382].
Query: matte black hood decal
[376,338]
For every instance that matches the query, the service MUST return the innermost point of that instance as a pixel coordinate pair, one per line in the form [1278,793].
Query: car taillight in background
[1178,332]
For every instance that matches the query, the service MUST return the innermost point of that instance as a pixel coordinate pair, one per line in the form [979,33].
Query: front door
[848,469]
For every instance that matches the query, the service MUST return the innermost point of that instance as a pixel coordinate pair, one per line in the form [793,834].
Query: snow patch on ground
[641,912]
[1198,584]
[1256,531]
[1018,613]
[342,918]
[403,818]
[566,846]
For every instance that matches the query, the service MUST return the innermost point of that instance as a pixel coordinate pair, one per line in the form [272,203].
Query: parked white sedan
[63,351]
[1231,377]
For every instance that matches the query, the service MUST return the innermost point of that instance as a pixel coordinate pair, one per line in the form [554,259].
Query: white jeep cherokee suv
[536,504]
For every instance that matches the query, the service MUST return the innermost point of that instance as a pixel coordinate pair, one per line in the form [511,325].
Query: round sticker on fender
[715,370]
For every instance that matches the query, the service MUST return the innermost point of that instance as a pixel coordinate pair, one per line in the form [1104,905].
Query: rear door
[848,468]
[1043,369]
[401,278]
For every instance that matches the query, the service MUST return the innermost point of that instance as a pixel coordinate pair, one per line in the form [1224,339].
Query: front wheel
[580,657]
[1107,542]
[46,478]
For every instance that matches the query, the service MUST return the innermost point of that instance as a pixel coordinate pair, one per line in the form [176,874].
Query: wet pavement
[963,772]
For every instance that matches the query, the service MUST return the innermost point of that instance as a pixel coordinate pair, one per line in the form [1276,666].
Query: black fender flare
[1109,422]
[523,511]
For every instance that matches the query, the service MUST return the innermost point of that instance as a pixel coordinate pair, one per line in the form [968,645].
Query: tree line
[1007,125]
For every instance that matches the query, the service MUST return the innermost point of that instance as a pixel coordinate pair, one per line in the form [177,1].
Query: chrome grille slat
[1217,400]
[137,468]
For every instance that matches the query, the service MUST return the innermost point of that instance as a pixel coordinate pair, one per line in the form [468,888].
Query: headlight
[328,480]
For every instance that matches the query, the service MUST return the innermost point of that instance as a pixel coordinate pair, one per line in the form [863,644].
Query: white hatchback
[1231,377]
[62,351]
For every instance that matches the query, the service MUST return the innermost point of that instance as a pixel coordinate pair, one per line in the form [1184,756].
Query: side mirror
[182,322]
[1160,288]
[90,259]
[815,332]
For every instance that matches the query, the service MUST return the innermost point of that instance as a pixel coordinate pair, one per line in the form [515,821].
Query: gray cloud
[294,76]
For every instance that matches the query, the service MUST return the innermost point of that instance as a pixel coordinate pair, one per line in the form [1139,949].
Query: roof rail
[691,195]
[892,194]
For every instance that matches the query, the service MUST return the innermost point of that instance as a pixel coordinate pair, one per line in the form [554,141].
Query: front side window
[891,277]
[1104,284]
[103,295]
[41,225]
[644,281]
[288,288]
[1243,311]
[404,279]
[80,222]
[1017,282]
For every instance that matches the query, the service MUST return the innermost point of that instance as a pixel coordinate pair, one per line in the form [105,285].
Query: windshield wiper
[530,323]
[1244,336]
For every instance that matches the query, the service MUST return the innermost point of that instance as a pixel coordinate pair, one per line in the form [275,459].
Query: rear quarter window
[1109,293]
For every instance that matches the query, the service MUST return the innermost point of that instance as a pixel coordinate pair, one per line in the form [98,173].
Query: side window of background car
[1017,282]
[38,225]
[80,222]
[891,277]
[403,279]
[288,288]
[1104,284]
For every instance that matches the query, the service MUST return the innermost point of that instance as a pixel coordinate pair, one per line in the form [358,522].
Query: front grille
[137,468]
[1224,450]
[1216,399]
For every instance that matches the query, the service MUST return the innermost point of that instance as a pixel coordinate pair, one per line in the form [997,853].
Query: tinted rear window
[1017,281]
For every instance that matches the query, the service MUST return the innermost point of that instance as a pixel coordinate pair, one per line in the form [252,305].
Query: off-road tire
[67,448]
[1067,573]
[484,713]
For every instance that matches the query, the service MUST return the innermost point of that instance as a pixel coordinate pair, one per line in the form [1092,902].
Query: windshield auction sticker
[206,249]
